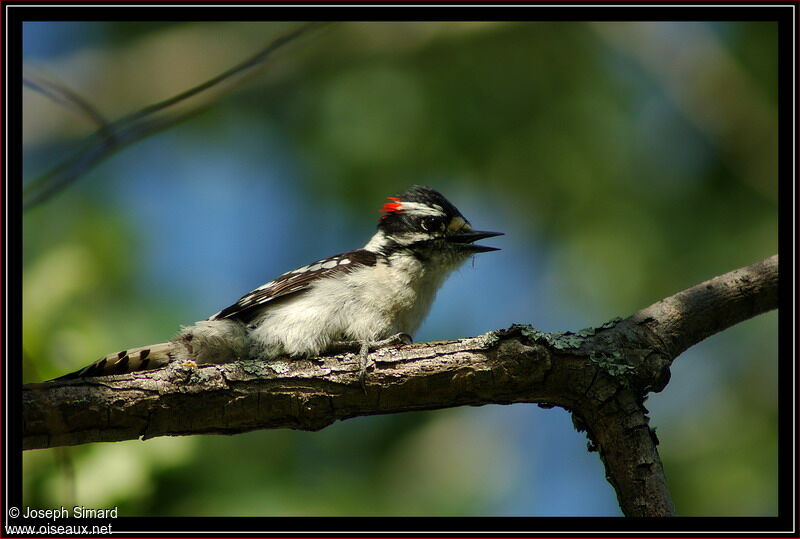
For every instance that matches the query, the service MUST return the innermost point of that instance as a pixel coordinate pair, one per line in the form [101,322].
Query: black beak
[465,240]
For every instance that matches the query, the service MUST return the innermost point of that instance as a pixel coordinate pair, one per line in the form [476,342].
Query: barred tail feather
[207,341]
[135,359]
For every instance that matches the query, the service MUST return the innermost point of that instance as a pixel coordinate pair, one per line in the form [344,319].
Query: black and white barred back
[293,282]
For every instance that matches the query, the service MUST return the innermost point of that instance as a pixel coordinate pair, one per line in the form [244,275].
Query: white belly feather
[369,304]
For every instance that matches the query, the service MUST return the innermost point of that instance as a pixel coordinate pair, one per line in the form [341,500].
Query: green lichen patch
[487,340]
[565,340]
[611,323]
[586,332]
[560,340]
[199,376]
[614,363]
[529,332]
[255,367]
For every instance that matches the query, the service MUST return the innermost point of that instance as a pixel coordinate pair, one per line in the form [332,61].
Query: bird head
[421,220]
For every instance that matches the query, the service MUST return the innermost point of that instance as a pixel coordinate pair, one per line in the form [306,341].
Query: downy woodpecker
[369,297]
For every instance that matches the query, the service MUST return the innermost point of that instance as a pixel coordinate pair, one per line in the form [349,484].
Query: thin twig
[113,137]
[63,95]
[258,58]
[101,149]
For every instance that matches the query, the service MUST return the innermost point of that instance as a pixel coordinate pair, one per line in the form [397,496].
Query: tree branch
[600,374]
[62,94]
[688,317]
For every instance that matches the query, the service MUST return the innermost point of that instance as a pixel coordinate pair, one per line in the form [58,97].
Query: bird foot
[397,339]
[365,347]
[340,347]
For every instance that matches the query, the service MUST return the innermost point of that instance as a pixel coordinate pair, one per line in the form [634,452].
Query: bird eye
[431,223]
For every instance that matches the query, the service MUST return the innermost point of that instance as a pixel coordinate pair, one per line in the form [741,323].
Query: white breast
[371,303]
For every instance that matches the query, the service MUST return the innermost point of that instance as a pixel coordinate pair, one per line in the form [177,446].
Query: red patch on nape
[393,207]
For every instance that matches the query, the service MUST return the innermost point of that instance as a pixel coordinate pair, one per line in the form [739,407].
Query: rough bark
[600,374]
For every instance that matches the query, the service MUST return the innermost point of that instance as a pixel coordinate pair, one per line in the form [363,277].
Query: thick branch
[600,374]
[688,317]
[619,429]
[299,394]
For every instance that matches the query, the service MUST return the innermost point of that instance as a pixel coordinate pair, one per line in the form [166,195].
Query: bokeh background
[624,162]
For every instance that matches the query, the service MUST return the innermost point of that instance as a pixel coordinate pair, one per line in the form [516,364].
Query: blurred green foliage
[631,160]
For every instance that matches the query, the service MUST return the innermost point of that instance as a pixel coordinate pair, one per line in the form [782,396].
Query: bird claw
[363,348]
[398,339]
[362,379]
[363,362]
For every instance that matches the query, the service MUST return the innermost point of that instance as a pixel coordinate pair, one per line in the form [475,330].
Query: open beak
[465,240]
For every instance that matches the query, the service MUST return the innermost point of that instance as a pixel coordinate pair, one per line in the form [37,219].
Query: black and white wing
[294,282]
